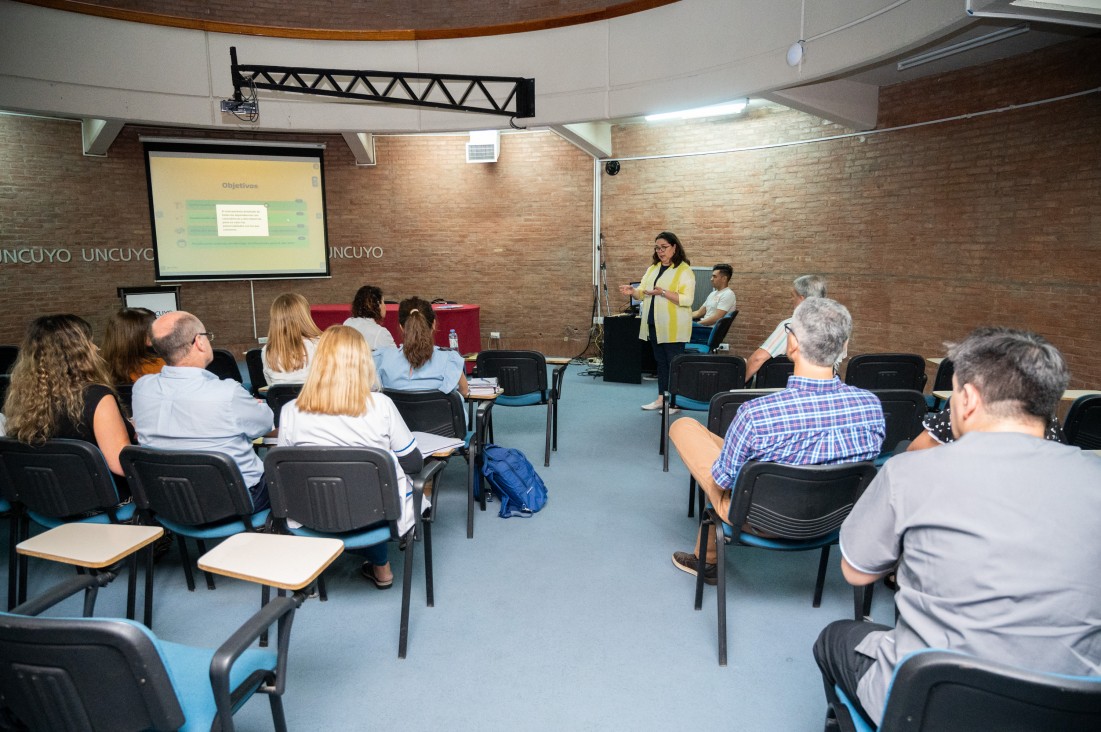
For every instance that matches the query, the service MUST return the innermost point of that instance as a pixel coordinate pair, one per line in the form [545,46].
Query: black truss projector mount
[507,96]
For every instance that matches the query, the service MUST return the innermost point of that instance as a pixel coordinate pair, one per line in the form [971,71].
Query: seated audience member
[60,387]
[720,301]
[127,345]
[817,420]
[417,363]
[186,407]
[802,288]
[367,316]
[292,340]
[938,430]
[336,408]
[1001,543]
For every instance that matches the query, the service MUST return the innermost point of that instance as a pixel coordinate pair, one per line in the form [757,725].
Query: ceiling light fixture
[715,110]
[967,45]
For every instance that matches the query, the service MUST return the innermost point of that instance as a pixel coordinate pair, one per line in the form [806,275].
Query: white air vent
[484,147]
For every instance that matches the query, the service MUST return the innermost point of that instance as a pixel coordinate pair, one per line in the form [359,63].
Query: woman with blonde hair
[60,387]
[127,346]
[338,409]
[418,363]
[367,317]
[292,340]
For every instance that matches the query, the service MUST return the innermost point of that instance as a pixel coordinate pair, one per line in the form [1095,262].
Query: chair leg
[209,576]
[278,718]
[823,563]
[547,448]
[661,435]
[132,587]
[265,596]
[862,599]
[13,559]
[24,531]
[471,461]
[691,496]
[406,582]
[664,439]
[149,587]
[700,501]
[322,593]
[720,589]
[699,561]
[428,564]
[186,560]
[554,443]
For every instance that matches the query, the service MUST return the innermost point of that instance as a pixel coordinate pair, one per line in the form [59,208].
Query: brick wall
[924,233]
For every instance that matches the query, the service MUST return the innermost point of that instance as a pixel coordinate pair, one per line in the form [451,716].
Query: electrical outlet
[262,340]
[494,334]
[724,346]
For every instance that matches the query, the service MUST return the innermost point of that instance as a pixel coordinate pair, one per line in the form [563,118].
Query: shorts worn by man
[994,535]
[186,407]
[817,420]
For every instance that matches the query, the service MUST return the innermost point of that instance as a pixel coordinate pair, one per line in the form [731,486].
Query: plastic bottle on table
[453,340]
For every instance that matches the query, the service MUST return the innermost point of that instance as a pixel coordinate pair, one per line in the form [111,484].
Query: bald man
[186,407]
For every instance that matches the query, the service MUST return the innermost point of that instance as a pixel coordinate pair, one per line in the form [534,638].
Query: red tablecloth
[465,319]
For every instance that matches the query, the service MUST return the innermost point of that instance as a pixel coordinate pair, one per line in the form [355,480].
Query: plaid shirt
[812,422]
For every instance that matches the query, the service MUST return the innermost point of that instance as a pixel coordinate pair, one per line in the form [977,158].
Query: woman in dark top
[938,430]
[60,388]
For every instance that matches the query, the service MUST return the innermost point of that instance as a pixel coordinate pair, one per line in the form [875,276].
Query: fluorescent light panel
[971,43]
[715,110]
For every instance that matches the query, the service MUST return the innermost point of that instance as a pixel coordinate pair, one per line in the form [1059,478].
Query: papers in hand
[483,387]
[430,444]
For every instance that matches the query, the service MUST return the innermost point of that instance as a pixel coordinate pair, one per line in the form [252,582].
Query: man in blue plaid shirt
[816,420]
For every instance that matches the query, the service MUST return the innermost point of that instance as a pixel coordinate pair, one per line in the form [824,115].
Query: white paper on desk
[483,386]
[429,443]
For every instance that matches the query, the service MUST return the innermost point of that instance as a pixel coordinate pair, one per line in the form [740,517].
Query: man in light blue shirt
[186,407]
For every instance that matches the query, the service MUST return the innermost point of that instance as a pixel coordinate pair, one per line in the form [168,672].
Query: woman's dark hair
[126,343]
[417,321]
[679,255]
[368,303]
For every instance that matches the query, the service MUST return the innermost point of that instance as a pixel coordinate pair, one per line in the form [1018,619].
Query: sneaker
[673,410]
[687,562]
[653,406]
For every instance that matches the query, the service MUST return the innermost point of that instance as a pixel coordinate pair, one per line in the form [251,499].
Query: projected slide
[237,212]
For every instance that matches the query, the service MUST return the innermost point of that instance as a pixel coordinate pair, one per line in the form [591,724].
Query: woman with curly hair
[60,387]
[418,363]
[292,340]
[336,408]
[367,316]
[127,346]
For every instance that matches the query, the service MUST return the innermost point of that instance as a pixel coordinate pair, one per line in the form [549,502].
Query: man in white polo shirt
[720,301]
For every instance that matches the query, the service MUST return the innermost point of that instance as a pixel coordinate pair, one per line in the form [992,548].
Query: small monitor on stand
[635,302]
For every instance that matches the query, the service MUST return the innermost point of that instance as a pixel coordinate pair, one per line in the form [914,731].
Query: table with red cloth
[464,319]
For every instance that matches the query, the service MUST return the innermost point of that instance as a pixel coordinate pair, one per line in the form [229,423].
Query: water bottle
[453,340]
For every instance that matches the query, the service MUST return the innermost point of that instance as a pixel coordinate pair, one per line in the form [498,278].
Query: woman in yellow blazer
[666,291]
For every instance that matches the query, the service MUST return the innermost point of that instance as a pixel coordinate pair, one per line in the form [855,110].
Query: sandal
[368,572]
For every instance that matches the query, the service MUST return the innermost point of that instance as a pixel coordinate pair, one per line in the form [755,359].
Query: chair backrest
[943,380]
[942,690]
[719,331]
[430,410]
[774,373]
[725,405]
[903,410]
[280,394]
[254,362]
[8,356]
[187,487]
[797,502]
[333,489]
[86,673]
[1083,424]
[887,371]
[700,376]
[517,372]
[59,478]
[224,366]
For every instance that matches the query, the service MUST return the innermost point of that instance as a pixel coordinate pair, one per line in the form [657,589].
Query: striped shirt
[812,422]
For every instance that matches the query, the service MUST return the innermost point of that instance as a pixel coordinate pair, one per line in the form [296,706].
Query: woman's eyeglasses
[662,249]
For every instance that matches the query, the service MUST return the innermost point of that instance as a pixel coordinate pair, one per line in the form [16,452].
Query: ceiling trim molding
[613,10]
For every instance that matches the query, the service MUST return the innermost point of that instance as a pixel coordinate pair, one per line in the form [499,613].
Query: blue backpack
[514,481]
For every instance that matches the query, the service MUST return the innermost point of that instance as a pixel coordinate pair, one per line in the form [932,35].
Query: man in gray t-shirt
[994,535]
